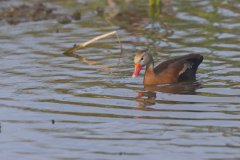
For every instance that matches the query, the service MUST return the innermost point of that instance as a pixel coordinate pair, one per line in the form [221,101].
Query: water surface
[87,106]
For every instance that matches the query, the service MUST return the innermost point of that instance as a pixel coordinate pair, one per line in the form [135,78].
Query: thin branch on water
[119,61]
[70,51]
[85,44]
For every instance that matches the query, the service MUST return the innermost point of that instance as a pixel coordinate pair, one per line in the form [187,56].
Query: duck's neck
[150,67]
[149,72]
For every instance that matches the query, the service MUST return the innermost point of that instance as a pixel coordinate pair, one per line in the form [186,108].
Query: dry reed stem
[82,45]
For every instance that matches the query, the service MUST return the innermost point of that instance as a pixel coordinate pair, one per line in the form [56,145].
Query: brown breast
[169,75]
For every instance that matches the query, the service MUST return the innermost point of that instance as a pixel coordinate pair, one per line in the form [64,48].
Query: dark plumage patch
[190,62]
[194,60]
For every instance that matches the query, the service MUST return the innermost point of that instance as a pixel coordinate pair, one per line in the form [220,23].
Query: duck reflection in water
[148,96]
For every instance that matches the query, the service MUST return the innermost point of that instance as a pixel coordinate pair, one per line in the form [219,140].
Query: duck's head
[141,59]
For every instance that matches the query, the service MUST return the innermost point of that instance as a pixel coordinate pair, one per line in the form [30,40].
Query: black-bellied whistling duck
[175,70]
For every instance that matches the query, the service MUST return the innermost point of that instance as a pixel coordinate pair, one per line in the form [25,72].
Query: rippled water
[87,106]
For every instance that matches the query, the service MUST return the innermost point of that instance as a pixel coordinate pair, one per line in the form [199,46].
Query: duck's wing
[184,68]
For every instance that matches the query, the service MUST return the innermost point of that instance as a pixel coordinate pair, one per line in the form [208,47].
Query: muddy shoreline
[37,12]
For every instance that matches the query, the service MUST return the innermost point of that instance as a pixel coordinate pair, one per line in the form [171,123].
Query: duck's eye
[142,59]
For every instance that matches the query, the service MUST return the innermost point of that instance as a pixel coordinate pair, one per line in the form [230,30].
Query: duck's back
[181,68]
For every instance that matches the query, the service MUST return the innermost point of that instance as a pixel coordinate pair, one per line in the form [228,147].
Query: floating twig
[82,45]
